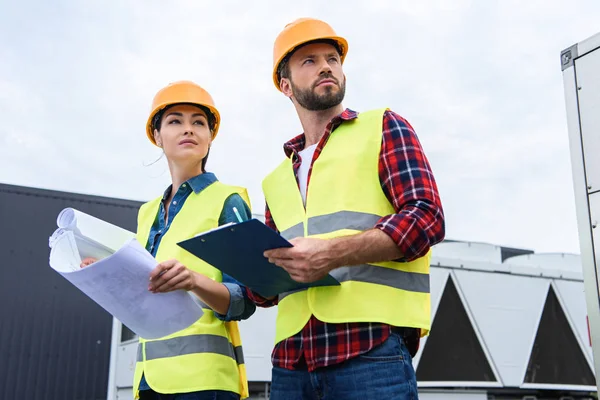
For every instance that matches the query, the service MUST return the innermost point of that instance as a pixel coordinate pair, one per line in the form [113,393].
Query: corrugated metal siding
[54,340]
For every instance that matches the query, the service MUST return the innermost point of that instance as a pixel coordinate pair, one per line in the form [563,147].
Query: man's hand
[171,275]
[309,260]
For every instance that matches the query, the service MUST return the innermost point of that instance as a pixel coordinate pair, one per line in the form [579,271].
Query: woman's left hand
[171,275]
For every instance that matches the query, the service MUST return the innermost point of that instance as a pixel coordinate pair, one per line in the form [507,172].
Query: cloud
[479,81]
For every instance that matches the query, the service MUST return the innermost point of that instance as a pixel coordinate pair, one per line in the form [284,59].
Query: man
[357,199]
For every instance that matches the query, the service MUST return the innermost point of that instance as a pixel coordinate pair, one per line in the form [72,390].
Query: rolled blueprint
[87,228]
[118,282]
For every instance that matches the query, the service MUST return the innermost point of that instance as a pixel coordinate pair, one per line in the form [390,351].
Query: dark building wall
[54,340]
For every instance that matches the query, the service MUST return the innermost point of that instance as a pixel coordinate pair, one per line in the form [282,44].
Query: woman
[203,361]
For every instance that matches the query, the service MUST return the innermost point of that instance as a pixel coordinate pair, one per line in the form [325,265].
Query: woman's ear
[157,138]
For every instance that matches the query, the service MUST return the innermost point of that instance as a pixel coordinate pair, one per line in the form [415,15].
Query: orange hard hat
[182,92]
[301,31]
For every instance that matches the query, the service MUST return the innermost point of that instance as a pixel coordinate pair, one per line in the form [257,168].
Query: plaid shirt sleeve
[409,185]
[269,219]
[253,296]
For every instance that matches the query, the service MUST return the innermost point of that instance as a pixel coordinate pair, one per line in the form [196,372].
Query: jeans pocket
[388,351]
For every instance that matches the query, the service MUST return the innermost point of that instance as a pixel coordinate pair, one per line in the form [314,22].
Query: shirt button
[174,202]
[183,185]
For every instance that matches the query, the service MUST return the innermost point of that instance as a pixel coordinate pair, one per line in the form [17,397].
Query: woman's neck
[181,174]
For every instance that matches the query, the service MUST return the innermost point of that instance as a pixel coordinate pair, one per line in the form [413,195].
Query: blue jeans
[384,372]
[203,395]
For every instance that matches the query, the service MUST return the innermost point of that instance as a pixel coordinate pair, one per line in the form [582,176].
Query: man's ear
[286,87]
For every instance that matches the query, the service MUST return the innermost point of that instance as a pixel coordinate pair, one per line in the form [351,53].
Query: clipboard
[237,250]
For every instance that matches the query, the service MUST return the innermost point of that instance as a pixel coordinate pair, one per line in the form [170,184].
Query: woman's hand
[87,261]
[172,275]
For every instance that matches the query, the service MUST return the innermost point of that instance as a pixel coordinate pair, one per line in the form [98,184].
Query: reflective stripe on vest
[191,345]
[320,224]
[413,281]
[358,221]
[294,232]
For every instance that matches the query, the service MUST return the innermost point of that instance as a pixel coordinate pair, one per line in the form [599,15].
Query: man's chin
[331,100]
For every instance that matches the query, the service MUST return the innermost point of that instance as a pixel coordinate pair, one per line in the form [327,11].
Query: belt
[403,331]
[411,337]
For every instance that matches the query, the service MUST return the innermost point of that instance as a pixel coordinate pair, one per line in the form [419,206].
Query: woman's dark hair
[156,121]
[204,160]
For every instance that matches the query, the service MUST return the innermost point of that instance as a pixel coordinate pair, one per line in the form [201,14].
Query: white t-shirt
[306,156]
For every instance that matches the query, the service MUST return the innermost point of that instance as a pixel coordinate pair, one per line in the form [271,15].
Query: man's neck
[315,122]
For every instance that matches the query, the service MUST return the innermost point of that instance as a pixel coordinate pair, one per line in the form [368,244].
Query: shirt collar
[202,181]
[297,144]
[197,183]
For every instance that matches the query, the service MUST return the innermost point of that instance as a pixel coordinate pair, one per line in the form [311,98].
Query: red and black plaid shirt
[418,224]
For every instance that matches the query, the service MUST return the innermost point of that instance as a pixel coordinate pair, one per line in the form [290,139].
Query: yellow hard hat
[301,31]
[182,92]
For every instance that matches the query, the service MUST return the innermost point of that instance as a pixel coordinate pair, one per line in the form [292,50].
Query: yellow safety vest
[345,197]
[208,354]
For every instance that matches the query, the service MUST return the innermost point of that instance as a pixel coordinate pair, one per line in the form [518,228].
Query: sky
[480,81]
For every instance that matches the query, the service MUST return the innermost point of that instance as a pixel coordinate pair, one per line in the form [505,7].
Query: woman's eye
[174,121]
[199,122]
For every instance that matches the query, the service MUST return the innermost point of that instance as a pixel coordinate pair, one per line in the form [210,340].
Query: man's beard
[312,101]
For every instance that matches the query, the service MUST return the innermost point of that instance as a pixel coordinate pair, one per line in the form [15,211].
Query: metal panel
[555,265]
[125,394]
[111,387]
[594,204]
[559,261]
[558,388]
[507,322]
[125,366]
[580,186]
[474,323]
[590,44]
[588,91]
[455,341]
[54,340]
[552,265]
[258,339]
[451,395]
[438,278]
[466,264]
[556,355]
[572,297]
[472,251]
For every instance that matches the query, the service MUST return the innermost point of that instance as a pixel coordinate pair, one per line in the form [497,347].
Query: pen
[237,214]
